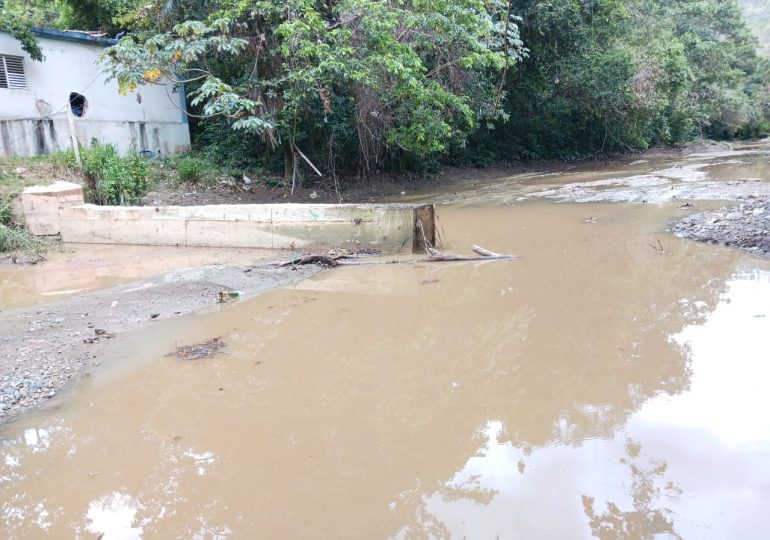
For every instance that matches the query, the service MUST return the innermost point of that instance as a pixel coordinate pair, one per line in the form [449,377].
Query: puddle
[78,268]
[595,387]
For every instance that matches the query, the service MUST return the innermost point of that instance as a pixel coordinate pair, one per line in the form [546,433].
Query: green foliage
[112,179]
[193,169]
[14,238]
[17,239]
[371,85]
[13,23]
[411,76]
[5,211]
[618,76]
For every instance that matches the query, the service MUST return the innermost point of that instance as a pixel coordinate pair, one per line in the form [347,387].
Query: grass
[15,175]
[16,239]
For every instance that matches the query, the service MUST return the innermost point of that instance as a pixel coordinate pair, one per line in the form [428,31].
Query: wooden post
[73,135]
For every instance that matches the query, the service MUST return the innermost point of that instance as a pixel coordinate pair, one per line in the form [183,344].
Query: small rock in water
[686,206]
[154,315]
[99,331]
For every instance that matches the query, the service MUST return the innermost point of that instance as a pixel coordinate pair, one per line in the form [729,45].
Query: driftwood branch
[482,254]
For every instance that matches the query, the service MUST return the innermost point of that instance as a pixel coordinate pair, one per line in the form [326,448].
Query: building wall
[34,120]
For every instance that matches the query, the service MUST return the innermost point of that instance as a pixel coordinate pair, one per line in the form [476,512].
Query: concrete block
[40,207]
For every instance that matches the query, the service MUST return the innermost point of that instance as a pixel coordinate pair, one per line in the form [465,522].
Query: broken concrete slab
[385,227]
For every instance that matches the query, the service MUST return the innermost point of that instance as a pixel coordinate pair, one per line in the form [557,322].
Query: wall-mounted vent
[12,72]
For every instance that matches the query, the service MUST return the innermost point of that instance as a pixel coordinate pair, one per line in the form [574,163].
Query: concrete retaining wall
[386,227]
[40,208]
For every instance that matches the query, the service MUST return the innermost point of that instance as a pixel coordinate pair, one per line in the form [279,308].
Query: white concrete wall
[33,120]
[386,227]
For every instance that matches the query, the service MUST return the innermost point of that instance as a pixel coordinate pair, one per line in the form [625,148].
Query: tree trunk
[288,163]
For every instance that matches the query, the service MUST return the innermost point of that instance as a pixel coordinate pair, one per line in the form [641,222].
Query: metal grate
[12,72]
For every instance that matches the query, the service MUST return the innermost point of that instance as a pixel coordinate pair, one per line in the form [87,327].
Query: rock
[20,170]
[154,315]
[313,195]
[246,180]
[99,331]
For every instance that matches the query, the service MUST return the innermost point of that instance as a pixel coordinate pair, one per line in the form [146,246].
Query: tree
[410,76]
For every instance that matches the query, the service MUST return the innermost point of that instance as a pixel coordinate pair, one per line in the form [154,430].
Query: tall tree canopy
[385,77]
[371,84]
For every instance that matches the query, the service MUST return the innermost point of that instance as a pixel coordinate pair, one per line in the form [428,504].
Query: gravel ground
[44,348]
[745,226]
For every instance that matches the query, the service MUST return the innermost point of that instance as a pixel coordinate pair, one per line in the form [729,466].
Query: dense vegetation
[369,85]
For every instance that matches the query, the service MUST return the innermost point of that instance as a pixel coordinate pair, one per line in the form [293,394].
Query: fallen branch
[658,248]
[483,254]
[312,259]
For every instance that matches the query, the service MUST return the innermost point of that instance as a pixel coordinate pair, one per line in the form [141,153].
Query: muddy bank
[43,348]
[745,226]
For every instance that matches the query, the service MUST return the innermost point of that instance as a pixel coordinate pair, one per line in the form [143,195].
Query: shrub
[192,169]
[112,179]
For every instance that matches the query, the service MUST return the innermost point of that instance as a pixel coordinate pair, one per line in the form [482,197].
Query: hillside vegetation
[362,86]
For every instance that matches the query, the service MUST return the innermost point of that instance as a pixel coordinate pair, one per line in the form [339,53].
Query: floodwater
[596,387]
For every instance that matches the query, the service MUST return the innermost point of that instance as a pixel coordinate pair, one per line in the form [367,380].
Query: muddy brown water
[594,388]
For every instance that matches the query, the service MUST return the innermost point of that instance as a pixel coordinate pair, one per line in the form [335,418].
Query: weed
[112,179]
[192,169]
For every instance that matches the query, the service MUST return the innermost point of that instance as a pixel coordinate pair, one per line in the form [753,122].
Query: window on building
[12,72]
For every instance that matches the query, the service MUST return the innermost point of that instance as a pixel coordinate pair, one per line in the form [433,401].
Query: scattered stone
[744,227]
[154,315]
[313,195]
[99,331]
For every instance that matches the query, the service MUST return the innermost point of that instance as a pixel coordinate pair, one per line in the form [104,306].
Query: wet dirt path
[595,387]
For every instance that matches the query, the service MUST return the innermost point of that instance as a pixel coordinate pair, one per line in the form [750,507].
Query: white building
[36,97]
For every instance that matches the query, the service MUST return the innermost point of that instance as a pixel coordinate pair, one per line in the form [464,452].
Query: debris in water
[686,206]
[207,349]
[227,296]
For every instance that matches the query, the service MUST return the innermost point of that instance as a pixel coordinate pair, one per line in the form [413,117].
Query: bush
[113,179]
[192,169]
